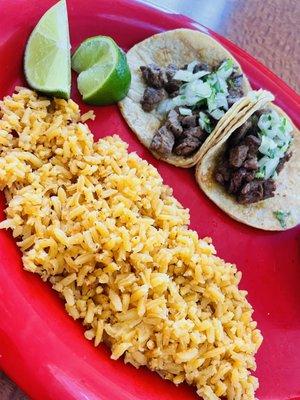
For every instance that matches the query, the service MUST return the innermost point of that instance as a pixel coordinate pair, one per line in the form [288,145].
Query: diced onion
[211,102]
[223,86]
[192,65]
[185,111]
[271,166]
[217,114]
[183,100]
[264,122]
[204,122]
[165,106]
[255,95]
[198,88]
[267,145]
[187,75]
[275,140]
[221,101]
[285,127]
[225,69]
[192,93]
[262,162]
[183,75]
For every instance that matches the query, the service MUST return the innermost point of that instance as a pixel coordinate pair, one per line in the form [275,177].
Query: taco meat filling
[255,153]
[193,99]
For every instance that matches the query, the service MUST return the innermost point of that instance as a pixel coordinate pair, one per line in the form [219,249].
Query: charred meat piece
[282,161]
[223,172]
[171,70]
[236,180]
[250,176]
[253,143]
[163,141]
[151,98]
[187,146]
[238,155]
[173,123]
[172,85]
[173,94]
[154,76]
[251,192]
[234,95]
[191,141]
[251,163]
[269,188]
[256,190]
[196,132]
[236,80]
[235,90]
[240,133]
[189,121]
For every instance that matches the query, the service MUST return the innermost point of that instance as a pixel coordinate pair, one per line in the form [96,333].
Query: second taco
[252,171]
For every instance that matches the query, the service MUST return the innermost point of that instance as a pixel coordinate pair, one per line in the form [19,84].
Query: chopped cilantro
[281,216]
[205,122]
[227,64]
[260,174]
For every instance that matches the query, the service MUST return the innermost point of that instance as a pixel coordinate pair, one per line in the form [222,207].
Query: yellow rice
[100,225]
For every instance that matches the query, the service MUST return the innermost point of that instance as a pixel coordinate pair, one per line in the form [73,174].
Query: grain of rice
[100,225]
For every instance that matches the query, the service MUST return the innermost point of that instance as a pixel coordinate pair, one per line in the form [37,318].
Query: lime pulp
[104,76]
[47,63]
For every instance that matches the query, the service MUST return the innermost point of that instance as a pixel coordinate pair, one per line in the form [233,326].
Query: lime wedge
[104,76]
[47,61]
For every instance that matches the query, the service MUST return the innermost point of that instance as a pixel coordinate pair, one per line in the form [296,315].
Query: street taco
[185,88]
[252,171]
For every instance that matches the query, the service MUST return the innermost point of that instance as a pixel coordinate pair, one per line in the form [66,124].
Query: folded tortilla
[180,47]
[261,214]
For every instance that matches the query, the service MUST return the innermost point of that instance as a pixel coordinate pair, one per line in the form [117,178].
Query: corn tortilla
[261,214]
[179,46]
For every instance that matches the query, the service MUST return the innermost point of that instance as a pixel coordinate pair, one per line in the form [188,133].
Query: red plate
[42,348]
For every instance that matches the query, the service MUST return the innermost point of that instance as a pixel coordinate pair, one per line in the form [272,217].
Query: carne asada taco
[253,171]
[185,88]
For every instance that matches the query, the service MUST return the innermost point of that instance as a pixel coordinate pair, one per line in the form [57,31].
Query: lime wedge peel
[47,63]
[104,75]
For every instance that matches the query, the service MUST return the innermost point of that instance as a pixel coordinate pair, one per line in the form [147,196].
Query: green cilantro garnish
[260,174]
[281,216]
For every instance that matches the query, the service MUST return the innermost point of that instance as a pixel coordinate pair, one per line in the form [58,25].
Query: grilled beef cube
[191,141]
[239,133]
[189,121]
[163,141]
[251,163]
[250,175]
[154,76]
[172,85]
[251,192]
[253,142]
[223,172]
[238,155]
[173,123]
[282,161]
[269,188]
[187,146]
[171,70]
[151,98]
[235,90]
[236,180]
